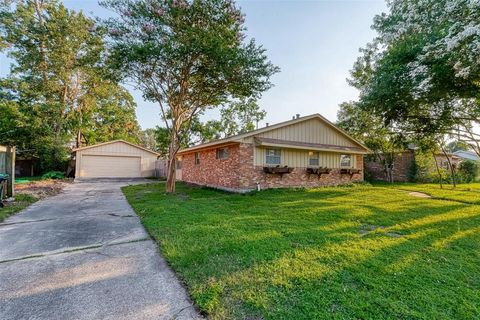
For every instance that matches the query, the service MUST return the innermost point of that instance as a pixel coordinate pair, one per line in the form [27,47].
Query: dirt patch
[42,189]
[419,194]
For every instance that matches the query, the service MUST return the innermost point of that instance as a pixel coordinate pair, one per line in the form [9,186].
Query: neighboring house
[467,155]
[114,159]
[304,152]
[402,163]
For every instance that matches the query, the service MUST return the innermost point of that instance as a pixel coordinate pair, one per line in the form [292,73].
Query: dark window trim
[197,157]
[226,153]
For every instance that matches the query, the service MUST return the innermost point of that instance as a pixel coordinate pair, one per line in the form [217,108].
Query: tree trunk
[438,170]
[452,169]
[171,162]
[79,138]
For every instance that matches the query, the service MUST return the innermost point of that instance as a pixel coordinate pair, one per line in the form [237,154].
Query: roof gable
[323,125]
[112,142]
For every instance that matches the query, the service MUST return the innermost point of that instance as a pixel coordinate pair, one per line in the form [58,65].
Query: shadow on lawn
[280,254]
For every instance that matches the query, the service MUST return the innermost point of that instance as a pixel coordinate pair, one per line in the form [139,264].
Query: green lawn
[467,193]
[358,252]
[21,202]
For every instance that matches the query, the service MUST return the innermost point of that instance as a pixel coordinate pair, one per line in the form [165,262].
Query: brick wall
[401,163]
[212,171]
[250,175]
[238,172]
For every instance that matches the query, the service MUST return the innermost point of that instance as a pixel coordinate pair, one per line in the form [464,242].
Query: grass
[466,193]
[363,252]
[21,202]
[28,179]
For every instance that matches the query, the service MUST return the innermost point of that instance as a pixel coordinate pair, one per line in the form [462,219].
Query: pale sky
[315,43]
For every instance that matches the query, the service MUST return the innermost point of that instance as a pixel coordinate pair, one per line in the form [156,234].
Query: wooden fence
[7,166]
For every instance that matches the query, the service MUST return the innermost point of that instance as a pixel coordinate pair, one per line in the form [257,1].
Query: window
[197,158]
[273,156]
[313,158]
[345,160]
[179,164]
[222,153]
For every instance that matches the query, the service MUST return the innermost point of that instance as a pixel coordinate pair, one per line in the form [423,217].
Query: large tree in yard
[187,56]
[421,74]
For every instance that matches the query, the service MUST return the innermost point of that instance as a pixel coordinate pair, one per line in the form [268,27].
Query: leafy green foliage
[188,56]
[58,91]
[53,175]
[420,75]
[468,171]
[329,253]
[370,129]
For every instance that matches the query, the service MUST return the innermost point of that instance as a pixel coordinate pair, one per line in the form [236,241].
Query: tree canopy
[58,92]
[188,56]
[422,70]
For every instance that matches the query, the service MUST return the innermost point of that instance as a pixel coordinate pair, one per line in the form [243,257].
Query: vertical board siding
[119,148]
[3,169]
[310,131]
[299,158]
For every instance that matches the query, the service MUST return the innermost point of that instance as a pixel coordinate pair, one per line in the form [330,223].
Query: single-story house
[402,162]
[114,159]
[467,155]
[306,151]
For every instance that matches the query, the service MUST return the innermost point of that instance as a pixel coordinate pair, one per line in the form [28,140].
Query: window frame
[342,156]
[274,156]
[197,158]
[310,158]
[226,153]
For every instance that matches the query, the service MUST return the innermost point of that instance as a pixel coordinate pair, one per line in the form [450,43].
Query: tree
[421,74]
[384,141]
[58,83]
[235,118]
[188,56]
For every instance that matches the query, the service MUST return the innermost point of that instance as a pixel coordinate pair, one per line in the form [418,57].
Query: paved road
[84,254]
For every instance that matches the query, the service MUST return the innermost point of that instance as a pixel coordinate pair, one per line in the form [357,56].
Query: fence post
[10,170]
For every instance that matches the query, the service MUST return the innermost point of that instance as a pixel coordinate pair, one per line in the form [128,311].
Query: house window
[197,158]
[313,158]
[273,156]
[346,161]
[222,153]
[179,164]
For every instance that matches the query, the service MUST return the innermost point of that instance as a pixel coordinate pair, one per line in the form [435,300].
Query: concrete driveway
[84,254]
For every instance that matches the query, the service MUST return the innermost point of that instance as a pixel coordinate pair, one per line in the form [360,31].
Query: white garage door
[96,166]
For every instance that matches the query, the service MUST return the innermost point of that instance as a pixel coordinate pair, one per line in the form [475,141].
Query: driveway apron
[83,254]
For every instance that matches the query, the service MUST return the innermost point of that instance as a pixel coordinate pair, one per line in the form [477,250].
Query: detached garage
[114,159]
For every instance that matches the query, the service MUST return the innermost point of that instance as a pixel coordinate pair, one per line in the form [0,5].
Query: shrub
[412,171]
[53,175]
[467,171]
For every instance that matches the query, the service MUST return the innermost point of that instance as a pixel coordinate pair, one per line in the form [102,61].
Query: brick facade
[401,164]
[212,171]
[239,173]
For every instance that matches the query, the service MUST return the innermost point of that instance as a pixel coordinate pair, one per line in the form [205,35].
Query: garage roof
[115,141]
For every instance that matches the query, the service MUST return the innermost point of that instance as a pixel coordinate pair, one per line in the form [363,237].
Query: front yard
[345,253]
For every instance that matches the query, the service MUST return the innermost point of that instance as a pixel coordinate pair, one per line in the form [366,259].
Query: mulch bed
[42,189]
